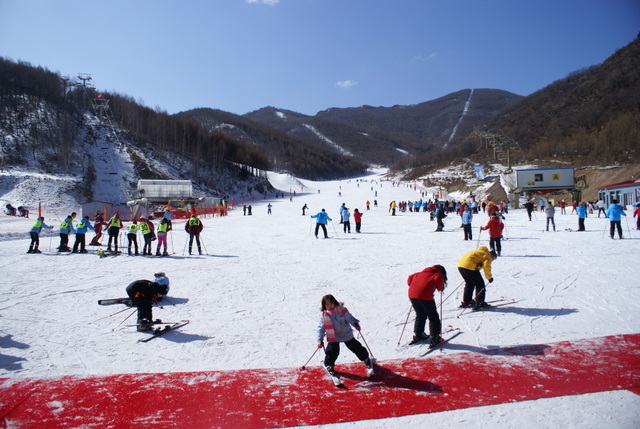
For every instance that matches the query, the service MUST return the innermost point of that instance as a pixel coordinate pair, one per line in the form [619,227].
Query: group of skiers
[322,219]
[336,321]
[193,227]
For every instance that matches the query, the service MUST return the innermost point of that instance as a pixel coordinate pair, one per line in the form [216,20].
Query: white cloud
[421,57]
[269,2]
[346,83]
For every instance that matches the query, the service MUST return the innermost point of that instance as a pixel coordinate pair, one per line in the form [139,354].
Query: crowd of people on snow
[115,228]
[336,321]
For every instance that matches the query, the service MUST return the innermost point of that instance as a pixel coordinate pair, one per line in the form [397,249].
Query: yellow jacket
[477,259]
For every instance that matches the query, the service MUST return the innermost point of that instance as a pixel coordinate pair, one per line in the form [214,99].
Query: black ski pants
[426,310]
[79,243]
[197,237]
[333,350]
[133,239]
[144,305]
[324,228]
[550,219]
[113,237]
[467,231]
[495,243]
[615,224]
[35,241]
[472,281]
[64,242]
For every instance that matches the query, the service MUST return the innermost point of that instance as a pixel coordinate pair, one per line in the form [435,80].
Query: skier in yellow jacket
[469,266]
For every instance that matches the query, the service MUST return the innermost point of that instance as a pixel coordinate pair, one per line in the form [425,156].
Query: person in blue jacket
[467,217]
[66,227]
[321,221]
[582,215]
[615,213]
[35,235]
[81,230]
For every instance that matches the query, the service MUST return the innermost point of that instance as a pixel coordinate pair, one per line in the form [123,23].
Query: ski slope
[253,298]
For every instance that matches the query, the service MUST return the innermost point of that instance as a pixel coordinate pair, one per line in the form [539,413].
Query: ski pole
[117,312]
[474,299]
[441,313]
[185,245]
[314,353]
[134,310]
[334,228]
[168,300]
[479,234]
[628,229]
[365,343]
[452,292]
[405,324]
[206,252]
[604,230]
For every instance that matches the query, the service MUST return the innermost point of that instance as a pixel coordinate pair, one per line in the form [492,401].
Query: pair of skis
[337,381]
[161,331]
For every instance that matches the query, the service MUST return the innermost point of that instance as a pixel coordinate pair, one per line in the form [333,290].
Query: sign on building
[545,178]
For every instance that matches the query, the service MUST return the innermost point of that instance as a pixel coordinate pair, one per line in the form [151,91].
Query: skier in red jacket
[422,285]
[495,227]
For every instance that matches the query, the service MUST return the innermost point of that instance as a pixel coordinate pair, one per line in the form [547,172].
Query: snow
[465,109]
[253,300]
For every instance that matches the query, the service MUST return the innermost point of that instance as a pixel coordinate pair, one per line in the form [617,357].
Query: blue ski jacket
[615,212]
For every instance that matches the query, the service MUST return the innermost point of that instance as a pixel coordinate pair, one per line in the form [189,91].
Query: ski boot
[419,338]
[435,342]
[144,325]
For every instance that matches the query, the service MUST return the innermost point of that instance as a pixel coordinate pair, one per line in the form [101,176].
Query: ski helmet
[163,283]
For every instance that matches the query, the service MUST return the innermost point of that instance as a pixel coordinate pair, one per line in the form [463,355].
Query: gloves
[357,326]
[491,280]
[320,344]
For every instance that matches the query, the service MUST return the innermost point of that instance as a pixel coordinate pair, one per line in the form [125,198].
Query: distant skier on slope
[422,286]
[143,293]
[335,323]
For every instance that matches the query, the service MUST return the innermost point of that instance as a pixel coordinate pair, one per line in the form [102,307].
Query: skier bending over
[143,293]
[422,285]
[335,323]
[469,267]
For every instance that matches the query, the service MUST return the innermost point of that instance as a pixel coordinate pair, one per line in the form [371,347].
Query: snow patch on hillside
[328,140]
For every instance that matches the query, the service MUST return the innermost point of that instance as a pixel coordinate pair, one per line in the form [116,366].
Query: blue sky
[311,55]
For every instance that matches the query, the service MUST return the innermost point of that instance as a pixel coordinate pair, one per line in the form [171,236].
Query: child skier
[163,229]
[495,227]
[335,323]
[35,235]
[422,285]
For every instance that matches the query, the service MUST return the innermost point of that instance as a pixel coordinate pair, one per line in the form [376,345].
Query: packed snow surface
[253,297]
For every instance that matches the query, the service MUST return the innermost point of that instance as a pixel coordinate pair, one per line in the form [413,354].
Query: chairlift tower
[504,147]
[84,78]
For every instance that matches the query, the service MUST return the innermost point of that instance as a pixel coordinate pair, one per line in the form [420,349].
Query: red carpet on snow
[265,398]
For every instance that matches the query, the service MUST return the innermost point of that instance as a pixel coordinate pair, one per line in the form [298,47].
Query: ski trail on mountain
[464,112]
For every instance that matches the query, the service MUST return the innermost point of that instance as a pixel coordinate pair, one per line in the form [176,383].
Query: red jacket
[422,285]
[357,216]
[495,227]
